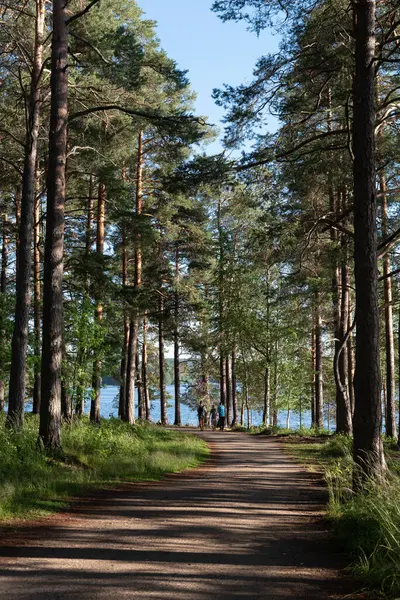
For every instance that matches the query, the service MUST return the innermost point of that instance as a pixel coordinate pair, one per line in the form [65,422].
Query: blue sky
[214,52]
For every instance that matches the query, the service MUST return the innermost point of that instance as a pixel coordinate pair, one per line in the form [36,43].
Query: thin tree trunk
[234,392]
[129,414]
[50,409]
[313,377]
[146,391]
[124,359]
[177,374]
[139,387]
[36,301]
[267,398]
[390,421]
[161,362]
[350,359]
[96,392]
[228,389]
[275,397]
[368,448]
[4,255]
[343,408]
[319,392]
[19,346]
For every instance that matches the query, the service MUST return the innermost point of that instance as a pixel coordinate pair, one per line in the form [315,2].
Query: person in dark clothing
[201,413]
[214,417]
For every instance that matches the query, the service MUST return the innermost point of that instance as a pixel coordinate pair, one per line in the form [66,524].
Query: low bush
[33,483]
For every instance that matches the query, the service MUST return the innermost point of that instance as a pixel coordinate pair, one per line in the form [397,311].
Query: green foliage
[33,483]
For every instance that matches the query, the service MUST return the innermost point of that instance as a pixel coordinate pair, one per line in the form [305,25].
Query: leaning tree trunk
[50,409]
[16,395]
[368,449]
[36,301]
[390,420]
[95,404]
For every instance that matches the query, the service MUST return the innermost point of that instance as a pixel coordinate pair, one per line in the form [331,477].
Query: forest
[270,270]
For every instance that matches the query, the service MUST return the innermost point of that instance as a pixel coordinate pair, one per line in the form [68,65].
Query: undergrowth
[33,484]
[367,524]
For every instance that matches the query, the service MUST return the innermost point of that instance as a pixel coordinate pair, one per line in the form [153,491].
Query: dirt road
[247,525]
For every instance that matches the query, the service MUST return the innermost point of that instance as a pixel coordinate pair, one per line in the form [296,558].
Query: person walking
[201,413]
[213,417]
[221,414]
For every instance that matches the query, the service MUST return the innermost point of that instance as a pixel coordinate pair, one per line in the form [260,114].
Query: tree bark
[16,395]
[161,362]
[390,413]
[313,377]
[36,301]
[368,449]
[124,359]
[50,409]
[96,392]
[139,387]
[267,398]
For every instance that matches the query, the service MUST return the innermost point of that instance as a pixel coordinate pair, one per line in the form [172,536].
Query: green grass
[33,484]
[368,524]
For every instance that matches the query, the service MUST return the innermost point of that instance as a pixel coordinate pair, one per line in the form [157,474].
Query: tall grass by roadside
[368,524]
[33,484]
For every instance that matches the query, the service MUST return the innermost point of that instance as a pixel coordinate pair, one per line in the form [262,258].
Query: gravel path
[246,525]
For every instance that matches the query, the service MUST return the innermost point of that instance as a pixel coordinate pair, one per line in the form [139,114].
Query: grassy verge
[369,524]
[32,484]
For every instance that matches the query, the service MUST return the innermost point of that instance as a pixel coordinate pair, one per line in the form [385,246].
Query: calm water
[109,407]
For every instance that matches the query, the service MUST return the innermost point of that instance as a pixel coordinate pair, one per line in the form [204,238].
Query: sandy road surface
[247,525]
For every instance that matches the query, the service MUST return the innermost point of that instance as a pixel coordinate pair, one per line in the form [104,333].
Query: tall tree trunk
[161,362]
[222,372]
[177,374]
[234,392]
[390,421]
[146,391]
[50,409]
[139,386]
[16,395]
[228,389]
[124,359]
[96,392]
[36,300]
[350,358]
[319,390]
[17,219]
[313,377]
[4,255]
[368,449]
[343,408]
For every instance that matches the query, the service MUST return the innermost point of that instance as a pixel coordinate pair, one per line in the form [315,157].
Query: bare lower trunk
[36,301]
[161,363]
[146,391]
[4,255]
[124,368]
[19,346]
[343,408]
[267,398]
[50,409]
[368,449]
[139,386]
[350,359]
[1,396]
